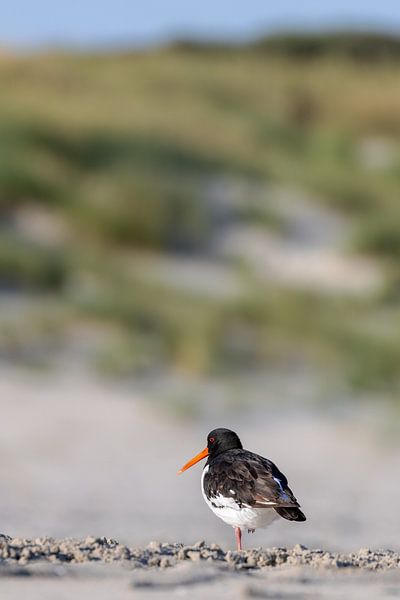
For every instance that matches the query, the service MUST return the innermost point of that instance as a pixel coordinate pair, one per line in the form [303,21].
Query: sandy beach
[94,567]
[83,457]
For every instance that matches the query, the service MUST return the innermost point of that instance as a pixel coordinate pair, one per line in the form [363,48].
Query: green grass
[120,148]
[26,265]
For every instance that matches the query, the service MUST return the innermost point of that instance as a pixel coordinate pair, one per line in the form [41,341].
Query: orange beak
[194,460]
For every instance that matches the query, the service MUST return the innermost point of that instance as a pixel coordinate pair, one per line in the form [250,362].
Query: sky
[101,23]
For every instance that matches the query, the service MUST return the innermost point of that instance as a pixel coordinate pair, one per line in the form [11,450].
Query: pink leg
[238,535]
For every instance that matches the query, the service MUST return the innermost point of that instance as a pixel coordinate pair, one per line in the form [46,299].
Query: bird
[244,489]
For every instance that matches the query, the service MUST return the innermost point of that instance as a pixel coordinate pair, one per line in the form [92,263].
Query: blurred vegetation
[106,162]
[354,45]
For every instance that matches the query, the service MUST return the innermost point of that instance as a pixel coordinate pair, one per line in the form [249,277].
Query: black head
[219,440]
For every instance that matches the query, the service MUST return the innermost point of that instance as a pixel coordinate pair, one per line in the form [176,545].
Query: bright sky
[96,23]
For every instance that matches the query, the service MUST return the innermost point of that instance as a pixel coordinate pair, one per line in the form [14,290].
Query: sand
[94,567]
[81,457]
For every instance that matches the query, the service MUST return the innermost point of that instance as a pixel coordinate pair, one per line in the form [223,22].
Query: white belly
[229,511]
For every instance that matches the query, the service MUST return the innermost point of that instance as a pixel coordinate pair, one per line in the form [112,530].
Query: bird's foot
[250,530]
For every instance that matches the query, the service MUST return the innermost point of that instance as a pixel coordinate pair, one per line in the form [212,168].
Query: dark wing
[271,489]
[252,481]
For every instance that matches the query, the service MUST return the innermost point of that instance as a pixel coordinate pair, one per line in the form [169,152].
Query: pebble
[163,555]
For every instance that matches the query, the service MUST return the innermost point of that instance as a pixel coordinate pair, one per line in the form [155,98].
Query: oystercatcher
[244,489]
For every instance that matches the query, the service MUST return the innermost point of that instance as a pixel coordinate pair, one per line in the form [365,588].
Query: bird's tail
[291,513]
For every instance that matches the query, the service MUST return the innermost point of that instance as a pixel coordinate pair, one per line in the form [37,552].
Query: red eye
[212,440]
